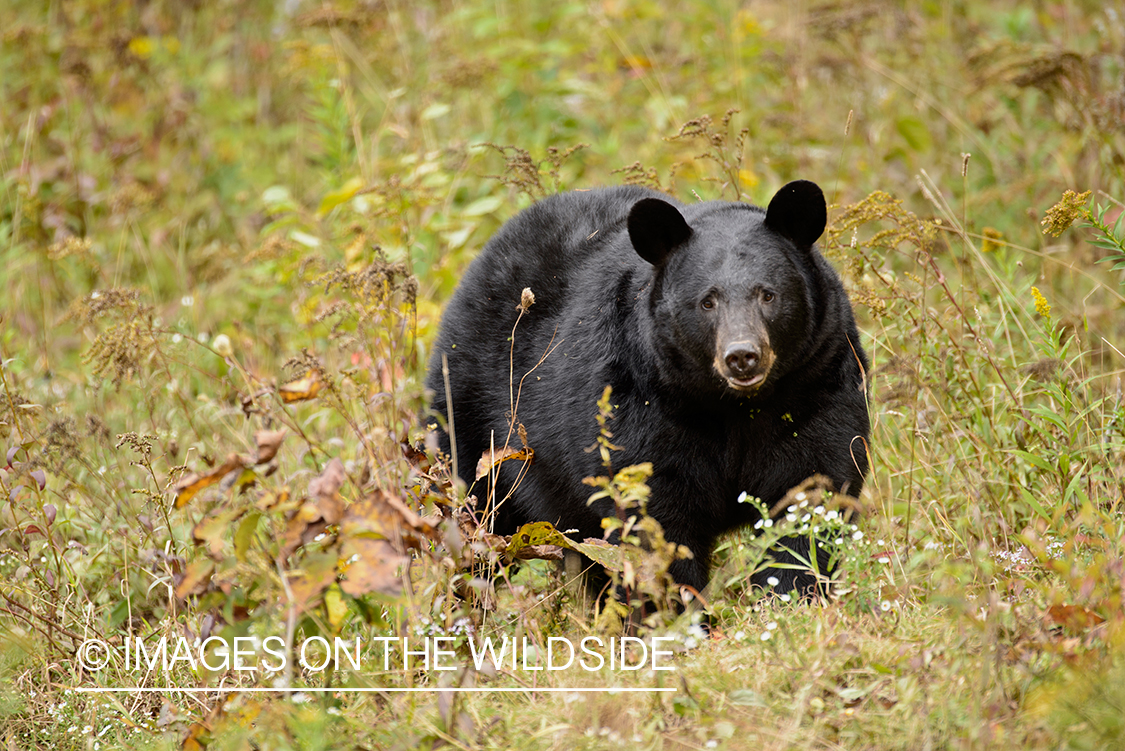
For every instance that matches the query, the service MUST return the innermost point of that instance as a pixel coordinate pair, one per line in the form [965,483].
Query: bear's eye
[768,296]
[708,303]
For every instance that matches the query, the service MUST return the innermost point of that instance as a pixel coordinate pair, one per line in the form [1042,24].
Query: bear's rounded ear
[798,211]
[656,228]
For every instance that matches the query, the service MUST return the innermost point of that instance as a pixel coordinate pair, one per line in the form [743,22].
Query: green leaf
[334,198]
[682,704]
[482,206]
[915,132]
[1037,461]
[744,697]
[304,238]
[245,534]
[435,110]
[1034,503]
[278,200]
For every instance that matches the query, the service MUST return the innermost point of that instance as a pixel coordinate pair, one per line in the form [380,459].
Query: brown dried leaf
[187,487]
[323,508]
[371,565]
[268,441]
[415,456]
[272,499]
[490,459]
[298,533]
[535,534]
[302,389]
[1073,617]
[212,531]
[316,574]
[325,490]
[196,578]
[542,552]
[383,515]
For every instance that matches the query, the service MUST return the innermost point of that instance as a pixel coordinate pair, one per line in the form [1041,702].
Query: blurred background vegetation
[202,200]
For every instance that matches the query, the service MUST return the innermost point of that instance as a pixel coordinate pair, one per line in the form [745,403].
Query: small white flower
[773,581]
[766,635]
[885,605]
[222,345]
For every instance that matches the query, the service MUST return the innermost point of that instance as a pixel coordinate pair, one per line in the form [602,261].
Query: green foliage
[226,233]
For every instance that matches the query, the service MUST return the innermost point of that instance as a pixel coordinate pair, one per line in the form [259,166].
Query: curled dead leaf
[268,442]
[187,487]
[302,389]
[490,459]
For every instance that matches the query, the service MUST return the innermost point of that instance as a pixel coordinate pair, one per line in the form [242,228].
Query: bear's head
[733,285]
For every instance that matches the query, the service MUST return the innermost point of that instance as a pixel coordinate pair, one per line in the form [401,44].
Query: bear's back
[546,245]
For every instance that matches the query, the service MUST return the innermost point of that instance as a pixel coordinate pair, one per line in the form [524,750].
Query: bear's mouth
[750,383]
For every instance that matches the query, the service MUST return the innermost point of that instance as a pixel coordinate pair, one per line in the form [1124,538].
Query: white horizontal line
[260,690]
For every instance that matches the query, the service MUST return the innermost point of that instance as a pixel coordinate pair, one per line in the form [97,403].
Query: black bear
[727,339]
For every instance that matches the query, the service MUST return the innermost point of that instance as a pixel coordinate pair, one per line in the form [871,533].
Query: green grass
[200,203]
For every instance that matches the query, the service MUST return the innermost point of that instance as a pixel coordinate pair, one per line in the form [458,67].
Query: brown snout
[744,364]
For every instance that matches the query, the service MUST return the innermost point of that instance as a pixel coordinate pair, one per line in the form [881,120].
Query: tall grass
[225,238]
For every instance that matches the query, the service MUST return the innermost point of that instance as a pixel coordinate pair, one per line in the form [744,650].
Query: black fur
[727,338]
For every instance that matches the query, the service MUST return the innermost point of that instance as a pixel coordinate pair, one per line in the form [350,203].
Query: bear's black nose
[741,360]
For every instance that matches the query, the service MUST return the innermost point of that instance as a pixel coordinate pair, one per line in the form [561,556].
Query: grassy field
[226,234]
